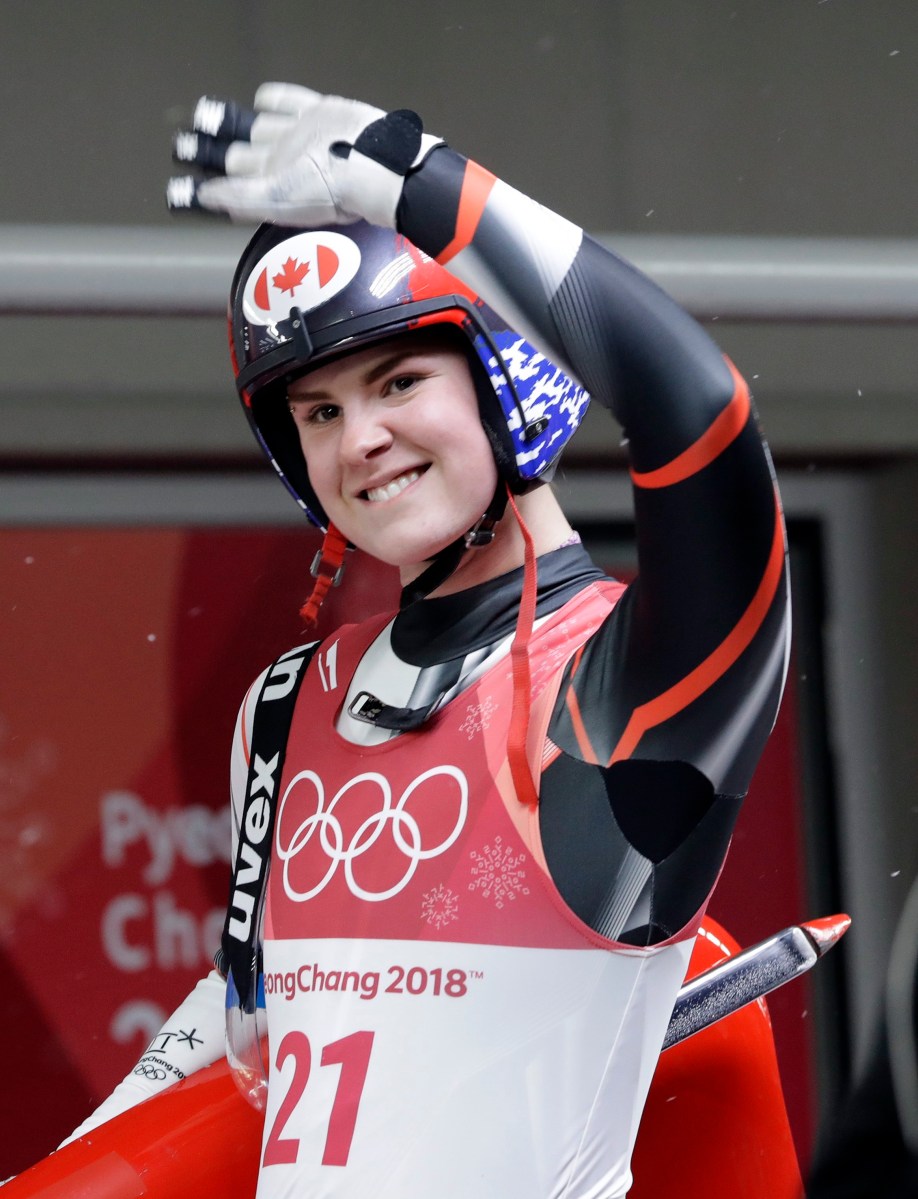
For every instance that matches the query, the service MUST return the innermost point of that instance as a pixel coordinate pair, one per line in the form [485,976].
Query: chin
[404,543]
[412,559]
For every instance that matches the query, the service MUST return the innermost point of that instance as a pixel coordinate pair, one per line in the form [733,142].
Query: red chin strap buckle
[327,569]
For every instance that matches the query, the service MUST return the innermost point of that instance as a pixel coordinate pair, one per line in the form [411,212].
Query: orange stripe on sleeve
[724,429]
[573,707]
[583,740]
[476,187]
[697,681]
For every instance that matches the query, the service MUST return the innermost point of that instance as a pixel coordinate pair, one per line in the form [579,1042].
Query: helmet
[301,297]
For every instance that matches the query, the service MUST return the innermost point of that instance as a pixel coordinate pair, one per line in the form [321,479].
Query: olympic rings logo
[405,832]
[154,1073]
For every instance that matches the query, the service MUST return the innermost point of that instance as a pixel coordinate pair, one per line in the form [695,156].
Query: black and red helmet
[301,297]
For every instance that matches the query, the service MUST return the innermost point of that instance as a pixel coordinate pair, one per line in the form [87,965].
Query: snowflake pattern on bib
[478,717]
[497,873]
[440,906]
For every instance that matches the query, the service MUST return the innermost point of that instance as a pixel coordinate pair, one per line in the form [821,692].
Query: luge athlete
[492,819]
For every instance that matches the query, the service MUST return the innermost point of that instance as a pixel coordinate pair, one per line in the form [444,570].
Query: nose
[365,433]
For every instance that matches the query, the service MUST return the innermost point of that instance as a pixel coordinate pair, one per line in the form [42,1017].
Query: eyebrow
[371,375]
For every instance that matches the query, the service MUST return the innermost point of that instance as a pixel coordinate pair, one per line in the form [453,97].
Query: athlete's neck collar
[435,630]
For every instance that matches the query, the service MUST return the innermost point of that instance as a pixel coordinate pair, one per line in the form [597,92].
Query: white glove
[193,1037]
[300,159]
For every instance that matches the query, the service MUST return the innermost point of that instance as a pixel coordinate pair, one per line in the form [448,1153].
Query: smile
[377,494]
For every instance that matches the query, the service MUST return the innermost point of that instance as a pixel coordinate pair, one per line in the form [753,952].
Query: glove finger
[271,126]
[243,199]
[243,159]
[226,158]
[239,199]
[182,194]
[256,199]
[288,98]
[223,119]
[198,149]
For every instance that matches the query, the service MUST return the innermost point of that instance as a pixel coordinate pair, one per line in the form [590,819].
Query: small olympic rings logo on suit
[323,825]
[154,1073]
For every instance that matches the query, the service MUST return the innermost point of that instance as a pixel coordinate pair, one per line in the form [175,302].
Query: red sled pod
[198,1138]
[715,1122]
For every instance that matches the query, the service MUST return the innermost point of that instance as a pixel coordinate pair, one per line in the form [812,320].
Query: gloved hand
[300,158]
[193,1037]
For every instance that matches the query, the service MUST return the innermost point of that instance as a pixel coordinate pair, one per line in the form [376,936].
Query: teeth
[391,490]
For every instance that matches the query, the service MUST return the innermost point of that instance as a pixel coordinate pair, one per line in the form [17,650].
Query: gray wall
[755,117]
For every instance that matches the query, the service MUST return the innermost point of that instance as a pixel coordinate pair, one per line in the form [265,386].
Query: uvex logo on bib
[302,272]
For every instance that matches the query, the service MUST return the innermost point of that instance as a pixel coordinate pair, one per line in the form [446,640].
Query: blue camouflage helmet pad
[545,393]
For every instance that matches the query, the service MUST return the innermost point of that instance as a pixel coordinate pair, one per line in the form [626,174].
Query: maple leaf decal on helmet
[291,276]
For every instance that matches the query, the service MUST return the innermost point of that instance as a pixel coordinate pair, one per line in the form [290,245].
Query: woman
[492,819]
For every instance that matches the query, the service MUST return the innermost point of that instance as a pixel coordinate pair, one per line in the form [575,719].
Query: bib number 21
[352,1054]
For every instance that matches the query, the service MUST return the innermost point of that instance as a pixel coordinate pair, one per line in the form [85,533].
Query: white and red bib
[441,1024]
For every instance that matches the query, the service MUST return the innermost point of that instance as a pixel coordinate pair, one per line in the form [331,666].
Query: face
[395,448]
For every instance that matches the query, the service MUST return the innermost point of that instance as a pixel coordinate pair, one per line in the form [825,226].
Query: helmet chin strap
[445,562]
[521,706]
[328,565]
[327,569]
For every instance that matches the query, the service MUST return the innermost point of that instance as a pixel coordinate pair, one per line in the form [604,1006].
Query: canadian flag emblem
[304,272]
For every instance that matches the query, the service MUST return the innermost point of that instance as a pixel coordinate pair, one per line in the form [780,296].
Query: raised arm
[700,641]
[665,713]
[694,660]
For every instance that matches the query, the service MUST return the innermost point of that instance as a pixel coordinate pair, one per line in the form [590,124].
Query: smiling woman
[518,789]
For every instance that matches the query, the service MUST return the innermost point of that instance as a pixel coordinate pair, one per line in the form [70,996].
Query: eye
[401,383]
[315,414]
